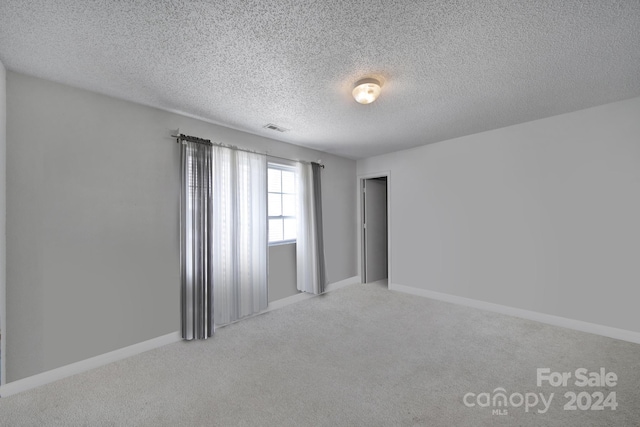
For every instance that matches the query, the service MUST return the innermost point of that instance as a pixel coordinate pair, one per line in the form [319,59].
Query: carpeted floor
[358,356]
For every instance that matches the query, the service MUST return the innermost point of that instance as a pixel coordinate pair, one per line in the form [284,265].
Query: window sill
[284,242]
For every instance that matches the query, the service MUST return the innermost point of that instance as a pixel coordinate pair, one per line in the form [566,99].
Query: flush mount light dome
[366,91]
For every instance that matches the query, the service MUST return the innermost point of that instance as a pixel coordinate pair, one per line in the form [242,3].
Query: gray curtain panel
[317,206]
[195,241]
[310,265]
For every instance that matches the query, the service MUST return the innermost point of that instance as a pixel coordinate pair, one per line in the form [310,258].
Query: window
[281,185]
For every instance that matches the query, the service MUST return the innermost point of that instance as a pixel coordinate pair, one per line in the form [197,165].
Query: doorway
[375,242]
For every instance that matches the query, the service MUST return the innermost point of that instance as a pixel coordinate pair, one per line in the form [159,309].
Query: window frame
[282,166]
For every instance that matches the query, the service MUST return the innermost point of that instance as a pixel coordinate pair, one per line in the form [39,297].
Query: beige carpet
[358,356]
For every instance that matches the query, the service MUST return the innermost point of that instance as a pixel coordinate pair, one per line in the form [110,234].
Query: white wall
[542,216]
[92,214]
[3,216]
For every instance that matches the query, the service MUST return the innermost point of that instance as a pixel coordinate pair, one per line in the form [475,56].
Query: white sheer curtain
[239,234]
[309,244]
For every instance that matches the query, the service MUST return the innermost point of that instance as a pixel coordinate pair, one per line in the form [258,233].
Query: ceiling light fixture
[366,91]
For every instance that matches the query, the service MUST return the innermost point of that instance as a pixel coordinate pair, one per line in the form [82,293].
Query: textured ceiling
[450,68]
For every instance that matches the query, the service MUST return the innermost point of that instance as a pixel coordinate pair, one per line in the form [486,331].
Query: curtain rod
[182,137]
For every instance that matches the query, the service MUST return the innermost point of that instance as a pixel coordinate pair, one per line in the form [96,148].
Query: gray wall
[282,271]
[3,210]
[92,214]
[541,216]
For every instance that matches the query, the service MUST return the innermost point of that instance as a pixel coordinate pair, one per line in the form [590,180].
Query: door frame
[360,213]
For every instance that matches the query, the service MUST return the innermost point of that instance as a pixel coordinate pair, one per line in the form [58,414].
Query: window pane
[288,205]
[275,230]
[274,181]
[288,182]
[290,229]
[281,198]
[275,204]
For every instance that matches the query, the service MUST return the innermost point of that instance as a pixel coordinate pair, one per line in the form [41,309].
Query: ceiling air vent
[275,127]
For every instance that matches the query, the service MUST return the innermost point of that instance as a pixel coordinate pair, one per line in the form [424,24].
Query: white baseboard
[303,296]
[578,325]
[274,305]
[342,283]
[84,365]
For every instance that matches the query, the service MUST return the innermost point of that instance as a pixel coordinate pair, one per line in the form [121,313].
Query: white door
[375,229]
